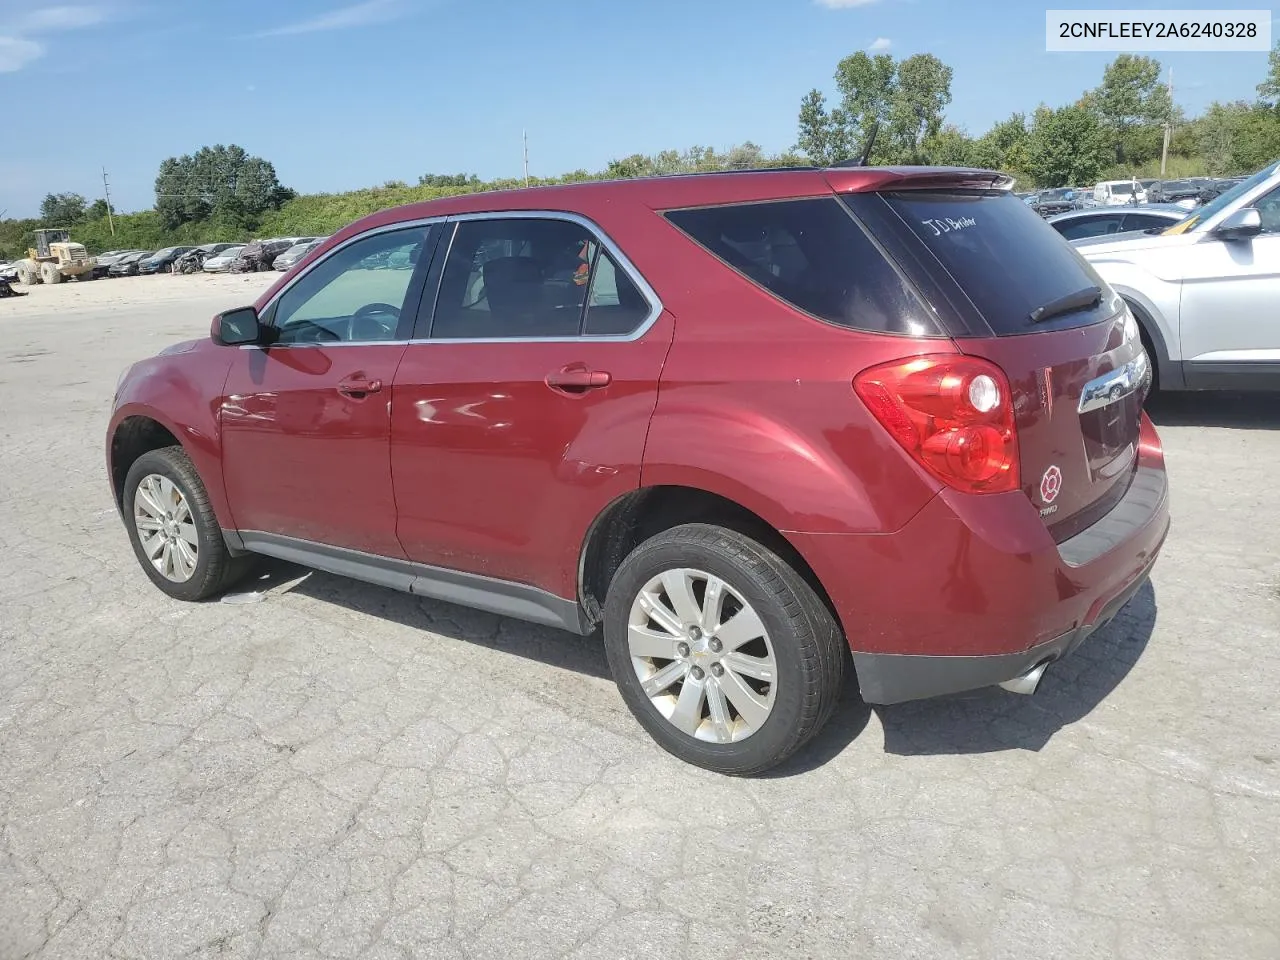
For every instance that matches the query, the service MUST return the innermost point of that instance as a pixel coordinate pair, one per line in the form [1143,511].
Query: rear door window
[1006,259]
[813,255]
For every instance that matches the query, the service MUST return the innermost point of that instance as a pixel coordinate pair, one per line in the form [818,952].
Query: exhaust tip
[1026,683]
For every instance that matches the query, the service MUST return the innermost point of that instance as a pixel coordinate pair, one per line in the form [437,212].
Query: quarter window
[812,254]
[356,294]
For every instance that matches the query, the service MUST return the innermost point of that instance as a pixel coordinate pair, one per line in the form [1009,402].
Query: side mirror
[232,328]
[1241,225]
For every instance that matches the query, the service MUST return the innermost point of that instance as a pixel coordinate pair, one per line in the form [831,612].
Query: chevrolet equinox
[747,423]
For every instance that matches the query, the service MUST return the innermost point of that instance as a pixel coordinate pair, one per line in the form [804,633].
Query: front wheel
[722,651]
[174,532]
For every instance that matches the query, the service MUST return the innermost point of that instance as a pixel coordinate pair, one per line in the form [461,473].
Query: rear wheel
[174,533]
[49,273]
[720,649]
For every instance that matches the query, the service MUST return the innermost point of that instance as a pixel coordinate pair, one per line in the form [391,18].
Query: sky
[341,95]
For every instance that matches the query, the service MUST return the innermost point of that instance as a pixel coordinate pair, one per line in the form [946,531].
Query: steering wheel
[371,308]
[383,315]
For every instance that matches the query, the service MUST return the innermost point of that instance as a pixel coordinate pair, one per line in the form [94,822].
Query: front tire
[174,533]
[722,651]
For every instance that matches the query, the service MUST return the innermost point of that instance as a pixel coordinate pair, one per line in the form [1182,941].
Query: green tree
[1004,146]
[949,147]
[1133,106]
[920,93]
[1269,89]
[822,133]
[448,180]
[97,210]
[1067,146]
[903,100]
[63,209]
[1238,137]
[222,181]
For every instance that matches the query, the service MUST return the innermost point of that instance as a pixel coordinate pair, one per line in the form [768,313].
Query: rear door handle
[577,378]
[357,387]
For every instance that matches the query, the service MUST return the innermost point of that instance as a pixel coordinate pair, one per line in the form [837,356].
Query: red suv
[747,422]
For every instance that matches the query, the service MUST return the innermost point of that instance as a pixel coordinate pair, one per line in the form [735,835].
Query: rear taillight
[953,414]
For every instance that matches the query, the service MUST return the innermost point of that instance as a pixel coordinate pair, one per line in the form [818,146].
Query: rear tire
[716,700]
[50,274]
[174,506]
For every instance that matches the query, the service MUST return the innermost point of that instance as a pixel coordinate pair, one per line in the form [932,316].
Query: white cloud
[357,15]
[844,4]
[50,19]
[16,50]
[879,44]
[16,53]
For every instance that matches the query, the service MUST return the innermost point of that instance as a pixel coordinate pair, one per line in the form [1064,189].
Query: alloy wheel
[702,655]
[166,528]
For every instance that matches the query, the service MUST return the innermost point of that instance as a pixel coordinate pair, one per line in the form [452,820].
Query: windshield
[231,252]
[1176,185]
[1221,201]
[1122,189]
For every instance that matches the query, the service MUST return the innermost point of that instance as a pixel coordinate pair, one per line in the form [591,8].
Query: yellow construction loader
[55,258]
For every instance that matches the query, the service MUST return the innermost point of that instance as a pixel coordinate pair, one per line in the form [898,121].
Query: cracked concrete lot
[343,771]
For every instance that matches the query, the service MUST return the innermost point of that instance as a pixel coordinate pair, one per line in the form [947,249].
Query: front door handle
[358,387]
[578,378]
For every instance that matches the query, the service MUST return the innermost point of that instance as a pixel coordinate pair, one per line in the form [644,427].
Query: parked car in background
[128,264]
[260,255]
[295,253]
[162,260]
[1057,200]
[1173,191]
[1216,187]
[967,481]
[193,260]
[1205,291]
[1116,193]
[221,261]
[1100,221]
[107,260]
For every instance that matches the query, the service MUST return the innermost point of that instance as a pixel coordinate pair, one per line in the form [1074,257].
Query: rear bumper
[974,591]
[894,678]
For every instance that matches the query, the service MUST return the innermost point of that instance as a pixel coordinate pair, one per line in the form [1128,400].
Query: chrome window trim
[275,298]
[623,262]
[621,259]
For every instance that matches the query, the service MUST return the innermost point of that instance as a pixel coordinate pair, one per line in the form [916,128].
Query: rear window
[1007,260]
[813,255]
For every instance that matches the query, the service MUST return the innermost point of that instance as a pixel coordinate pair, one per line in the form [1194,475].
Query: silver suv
[1206,291]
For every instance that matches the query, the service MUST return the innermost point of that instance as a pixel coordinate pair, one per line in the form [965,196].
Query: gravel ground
[343,771]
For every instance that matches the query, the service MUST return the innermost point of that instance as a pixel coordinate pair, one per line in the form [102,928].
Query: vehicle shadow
[984,721]
[557,648]
[991,720]
[1243,411]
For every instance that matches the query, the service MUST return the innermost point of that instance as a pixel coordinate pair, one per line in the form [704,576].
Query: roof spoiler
[851,179]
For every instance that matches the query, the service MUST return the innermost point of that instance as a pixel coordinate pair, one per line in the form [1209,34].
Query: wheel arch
[636,516]
[1168,370]
[131,437]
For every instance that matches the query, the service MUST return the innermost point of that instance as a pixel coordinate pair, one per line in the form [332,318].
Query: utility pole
[1168,128]
[106,188]
[525,135]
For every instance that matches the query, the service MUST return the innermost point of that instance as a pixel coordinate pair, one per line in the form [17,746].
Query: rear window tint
[1005,258]
[813,255]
